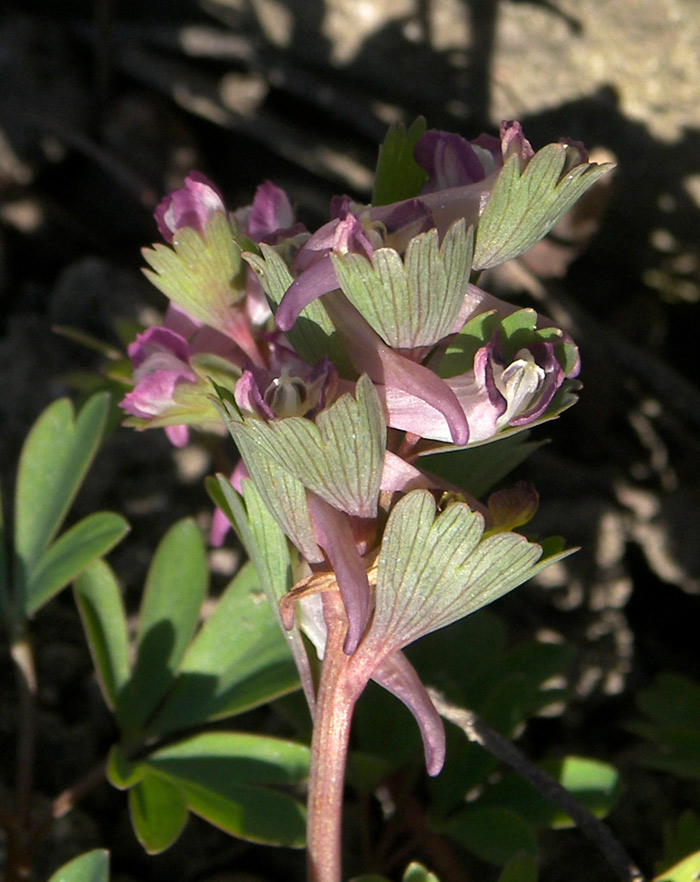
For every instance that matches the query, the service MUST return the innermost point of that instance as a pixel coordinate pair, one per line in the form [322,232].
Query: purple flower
[161,363]
[190,206]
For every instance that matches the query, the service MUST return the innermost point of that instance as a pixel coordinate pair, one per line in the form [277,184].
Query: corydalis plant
[378,349]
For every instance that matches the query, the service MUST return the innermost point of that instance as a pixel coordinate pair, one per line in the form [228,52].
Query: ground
[105,105]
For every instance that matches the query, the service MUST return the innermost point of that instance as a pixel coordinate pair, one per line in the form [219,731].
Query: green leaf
[122,773]
[220,774]
[339,456]
[253,813]
[237,661]
[414,301]
[101,608]
[596,785]
[521,867]
[524,206]
[70,554]
[173,596]
[688,870]
[478,468]
[681,838]
[217,759]
[55,458]
[417,873]
[435,568]
[398,176]
[493,834]
[4,575]
[313,335]
[158,812]
[90,867]
[672,701]
[201,274]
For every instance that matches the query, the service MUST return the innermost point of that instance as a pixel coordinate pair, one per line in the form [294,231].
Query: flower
[190,206]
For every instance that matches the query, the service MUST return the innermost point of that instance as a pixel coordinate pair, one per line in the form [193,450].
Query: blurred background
[106,105]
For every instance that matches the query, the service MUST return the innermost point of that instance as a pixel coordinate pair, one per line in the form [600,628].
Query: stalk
[336,699]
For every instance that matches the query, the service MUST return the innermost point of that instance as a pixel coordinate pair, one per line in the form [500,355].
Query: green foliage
[53,464]
[398,176]
[671,706]
[414,301]
[681,838]
[521,867]
[524,205]
[478,468]
[183,677]
[470,661]
[90,867]
[686,870]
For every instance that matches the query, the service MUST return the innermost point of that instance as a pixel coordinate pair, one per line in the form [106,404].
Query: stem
[18,853]
[480,732]
[336,699]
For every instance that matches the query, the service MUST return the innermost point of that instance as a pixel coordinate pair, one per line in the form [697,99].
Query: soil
[104,106]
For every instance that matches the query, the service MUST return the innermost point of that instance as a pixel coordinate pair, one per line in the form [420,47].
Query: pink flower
[190,206]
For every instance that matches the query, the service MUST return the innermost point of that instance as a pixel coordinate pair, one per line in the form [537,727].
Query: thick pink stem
[336,699]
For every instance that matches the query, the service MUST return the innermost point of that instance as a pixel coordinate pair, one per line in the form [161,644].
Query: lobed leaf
[313,335]
[525,205]
[201,274]
[435,569]
[339,457]
[415,301]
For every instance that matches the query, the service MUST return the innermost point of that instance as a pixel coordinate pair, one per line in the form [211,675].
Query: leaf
[70,554]
[398,176]
[237,661]
[158,812]
[313,335]
[201,274]
[4,575]
[596,786]
[492,834]
[55,458]
[417,873]
[672,701]
[687,870]
[339,456]
[524,206]
[90,867]
[478,468]
[101,608]
[122,772]
[435,568]
[220,772]
[521,867]
[175,589]
[680,839]
[252,813]
[414,301]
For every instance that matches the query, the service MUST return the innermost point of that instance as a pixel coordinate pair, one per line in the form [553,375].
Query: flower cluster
[347,358]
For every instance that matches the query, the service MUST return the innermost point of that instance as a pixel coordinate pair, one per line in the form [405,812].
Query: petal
[398,676]
[334,534]
[393,371]
[317,280]
[269,212]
